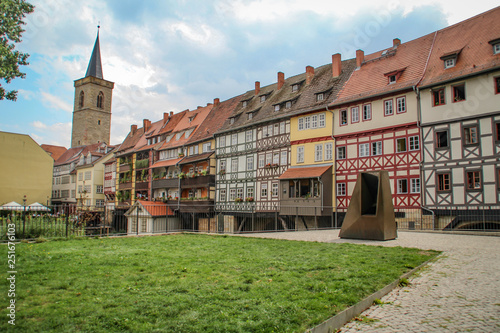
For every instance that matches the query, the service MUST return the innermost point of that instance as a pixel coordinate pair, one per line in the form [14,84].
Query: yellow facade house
[25,170]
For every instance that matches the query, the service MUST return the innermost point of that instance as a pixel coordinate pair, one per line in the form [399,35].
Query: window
[234,165]
[82,96]
[314,121]
[249,192]
[250,163]
[222,141]
[249,136]
[222,165]
[262,98]
[88,175]
[343,117]
[376,148]
[288,105]
[99,203]
[443,182]
[263,190]
[318,153]
[300,154]
[222,195]
[341,189]
[232,194]
[364,149]
[473,180]
[100,100]
[307,122]
[284,158]
[269,158]
[367,112]
[274,189]
[402,186]
[270,130]
[401,145]
[276,158]
[80,188]
[239,193]
[99,189]
[295,87]
[414,142]
[497,131]
[282,127]
[458,93]
[496,48]
[328,151]
[341,153]
[244,103]
[497,85]
[231,120]
[320,97]
[470,135]
[354,114]
[264,131]
[261,161]
[276,129]
[277,107]
[207,147]
[401,104]
[234,139]
[438,97]
[301,124]
[80,176]
[450,62]
[249,115]
[388,111]
[415,185]
[442,139]
[322,120]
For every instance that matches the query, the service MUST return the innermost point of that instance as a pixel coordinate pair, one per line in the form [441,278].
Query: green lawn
[193,283]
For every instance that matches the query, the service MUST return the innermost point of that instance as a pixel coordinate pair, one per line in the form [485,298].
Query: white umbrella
[38,207]
[12,206]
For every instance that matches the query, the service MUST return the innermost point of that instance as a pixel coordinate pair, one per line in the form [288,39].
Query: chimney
[309,74]
[216,101]
[336,64]
[396,42]
[257,87]
[360,57]
[133,128]
[165,116]
[146,124]
[281,80]
[171,113]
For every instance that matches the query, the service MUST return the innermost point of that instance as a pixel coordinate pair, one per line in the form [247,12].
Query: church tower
[92,106]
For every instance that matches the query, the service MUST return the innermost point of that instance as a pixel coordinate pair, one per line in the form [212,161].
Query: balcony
[304,207]
[124,168]
[197,206]
[125,186]
[141,186]
[166,183]
[199,181]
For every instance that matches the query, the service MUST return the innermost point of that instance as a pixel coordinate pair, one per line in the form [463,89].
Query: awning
[197,158]
[166,163]
[305,173]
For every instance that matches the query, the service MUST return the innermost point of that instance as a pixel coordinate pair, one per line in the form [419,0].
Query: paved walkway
[459,292]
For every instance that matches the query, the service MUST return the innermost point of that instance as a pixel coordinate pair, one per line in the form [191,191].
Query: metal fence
[69,221]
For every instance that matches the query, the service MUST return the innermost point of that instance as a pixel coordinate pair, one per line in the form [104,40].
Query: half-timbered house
[460,119]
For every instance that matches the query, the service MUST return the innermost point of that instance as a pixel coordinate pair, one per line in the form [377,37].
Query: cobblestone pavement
[459,292]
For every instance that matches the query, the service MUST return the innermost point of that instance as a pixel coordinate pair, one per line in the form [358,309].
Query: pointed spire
[95,67]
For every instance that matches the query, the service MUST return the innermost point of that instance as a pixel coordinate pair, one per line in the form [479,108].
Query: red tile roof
[306,172]
[54,151]
[371,78]
[155,208]
[470,39]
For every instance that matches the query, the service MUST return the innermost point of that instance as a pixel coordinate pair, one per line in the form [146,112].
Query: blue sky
[175,55]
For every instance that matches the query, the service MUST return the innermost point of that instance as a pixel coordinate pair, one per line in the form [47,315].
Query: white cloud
[58,134]
[54,102]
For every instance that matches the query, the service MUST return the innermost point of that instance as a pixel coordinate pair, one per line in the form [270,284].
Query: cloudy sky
[175,55]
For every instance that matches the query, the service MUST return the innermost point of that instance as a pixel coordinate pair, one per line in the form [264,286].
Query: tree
[12,13]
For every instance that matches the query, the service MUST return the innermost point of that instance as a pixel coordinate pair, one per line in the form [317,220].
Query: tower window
[82,95]
[99,122]
[100,100]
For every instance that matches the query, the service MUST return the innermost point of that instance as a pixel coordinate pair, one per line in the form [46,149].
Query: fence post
[66,217]
[276,218]
[24,220]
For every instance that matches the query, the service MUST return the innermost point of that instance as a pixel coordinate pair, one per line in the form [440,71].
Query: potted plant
[238,199]
[182,175]
[222,172]
[204,172]
[249,199]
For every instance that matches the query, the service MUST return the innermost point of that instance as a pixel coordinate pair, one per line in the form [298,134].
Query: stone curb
[342,318]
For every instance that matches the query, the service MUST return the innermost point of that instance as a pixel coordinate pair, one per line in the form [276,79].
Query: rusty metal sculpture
[370,214]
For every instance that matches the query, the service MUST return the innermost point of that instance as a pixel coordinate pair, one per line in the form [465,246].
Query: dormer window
[320,97]
[448,63]
[295,87]
[192,118]
[263,98]
[231,120]
[393,76]
[276,107]
[496,45]
[250,115]
[450,58]
[288,105]
[244,104]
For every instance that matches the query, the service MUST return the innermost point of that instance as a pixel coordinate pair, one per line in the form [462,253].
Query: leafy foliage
[12,13]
